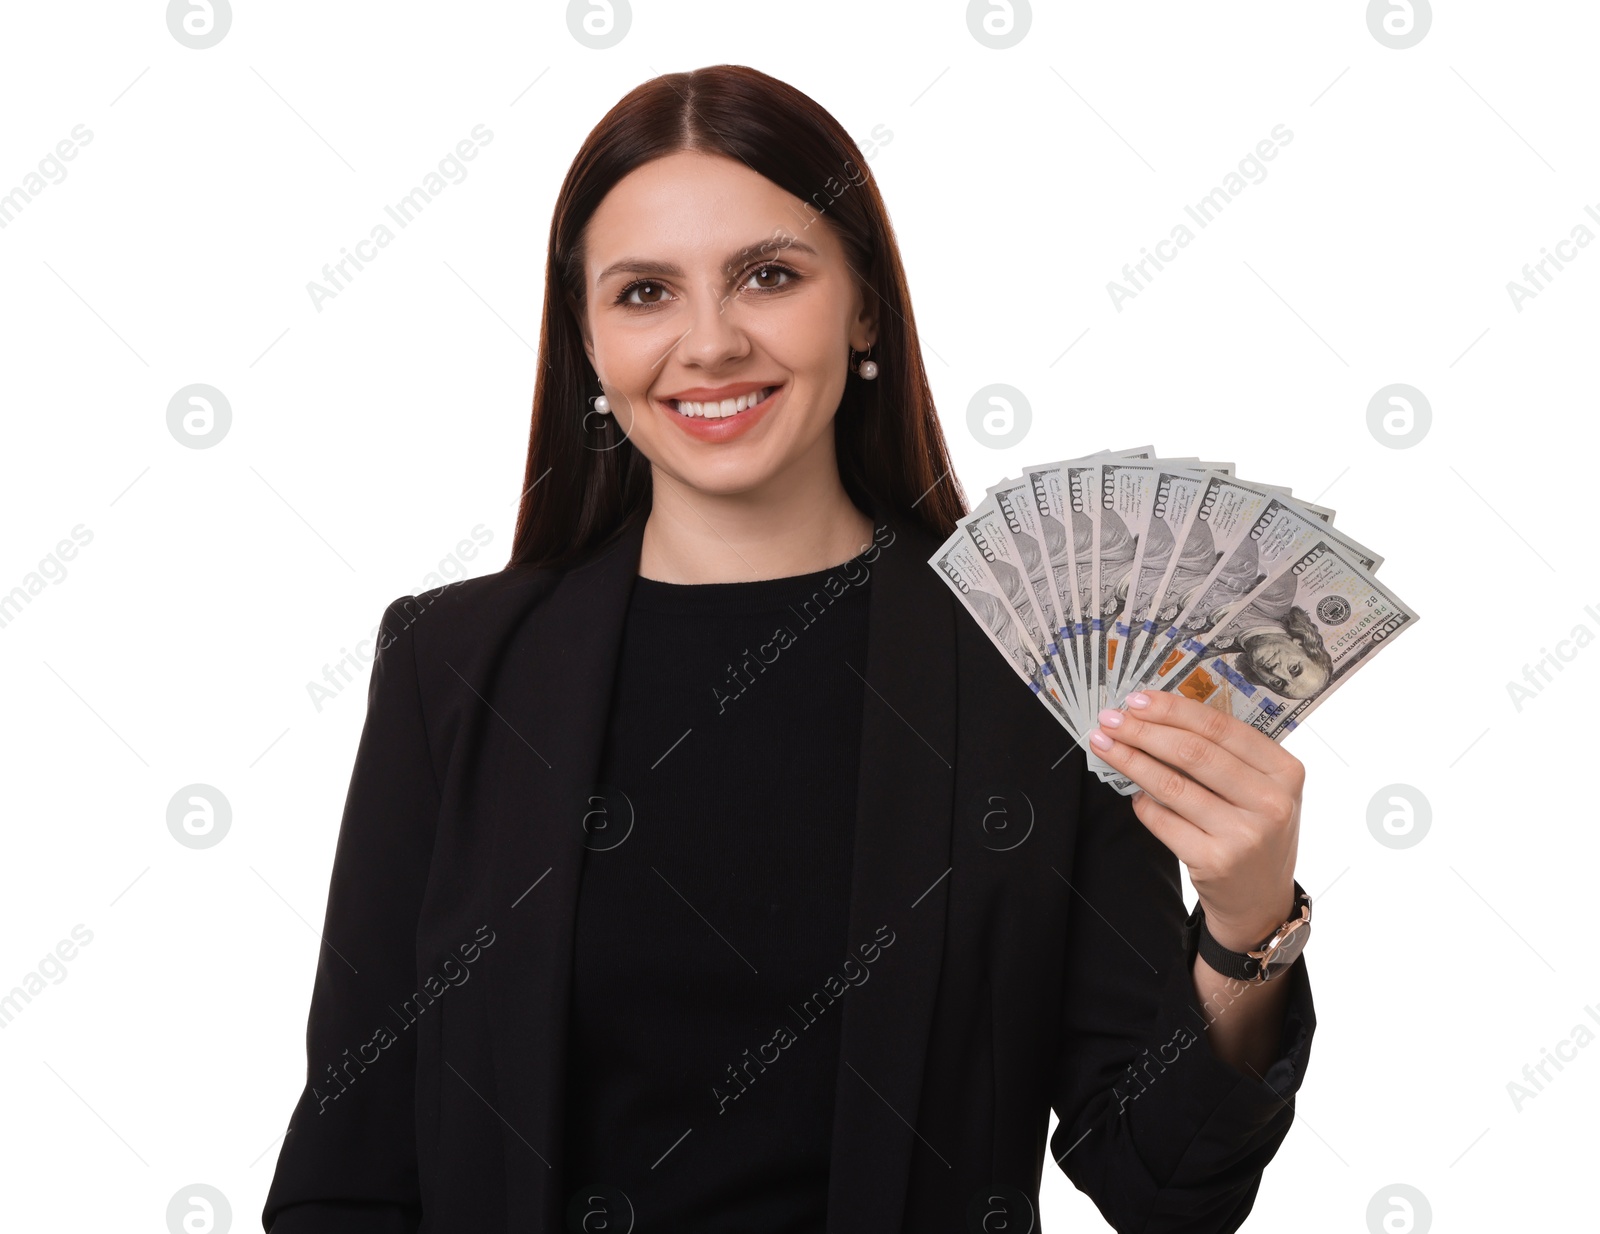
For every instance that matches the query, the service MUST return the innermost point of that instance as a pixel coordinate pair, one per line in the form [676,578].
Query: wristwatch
[1268,959]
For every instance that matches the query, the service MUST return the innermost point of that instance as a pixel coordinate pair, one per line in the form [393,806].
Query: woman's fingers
[1197,755]
[1227,731]
[1164,782]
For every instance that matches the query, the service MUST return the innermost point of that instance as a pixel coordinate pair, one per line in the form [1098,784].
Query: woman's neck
[694,537]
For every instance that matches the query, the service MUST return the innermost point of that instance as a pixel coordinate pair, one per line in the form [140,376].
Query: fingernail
[1138,699]
[1110,717]
[1099,740]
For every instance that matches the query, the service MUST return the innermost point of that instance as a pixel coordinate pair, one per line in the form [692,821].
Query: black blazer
[1038,959]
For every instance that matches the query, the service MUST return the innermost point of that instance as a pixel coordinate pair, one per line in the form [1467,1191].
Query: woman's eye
[772,272]
[625,296]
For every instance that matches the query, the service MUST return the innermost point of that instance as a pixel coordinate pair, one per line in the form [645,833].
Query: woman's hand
[1223,797]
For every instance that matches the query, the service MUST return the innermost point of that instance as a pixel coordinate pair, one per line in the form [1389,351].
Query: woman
[705,869]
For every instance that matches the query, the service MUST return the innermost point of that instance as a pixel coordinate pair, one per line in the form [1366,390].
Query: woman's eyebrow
[770,247]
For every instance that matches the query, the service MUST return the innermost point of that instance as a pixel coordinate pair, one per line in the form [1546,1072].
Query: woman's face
[707,282]
[1281,664]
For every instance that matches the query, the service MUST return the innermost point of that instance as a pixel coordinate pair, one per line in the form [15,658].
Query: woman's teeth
[727,407]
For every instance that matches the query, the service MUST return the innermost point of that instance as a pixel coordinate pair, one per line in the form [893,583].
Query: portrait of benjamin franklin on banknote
[1273,643]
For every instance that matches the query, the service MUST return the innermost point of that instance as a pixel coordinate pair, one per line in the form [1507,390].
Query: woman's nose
[714,333]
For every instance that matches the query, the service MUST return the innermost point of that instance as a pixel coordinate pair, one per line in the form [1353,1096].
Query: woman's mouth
[721,410]
[719,421]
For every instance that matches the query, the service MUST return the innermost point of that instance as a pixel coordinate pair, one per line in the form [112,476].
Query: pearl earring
[867,370]
[603,405]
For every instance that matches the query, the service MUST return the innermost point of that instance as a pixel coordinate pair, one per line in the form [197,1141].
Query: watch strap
[1239,965]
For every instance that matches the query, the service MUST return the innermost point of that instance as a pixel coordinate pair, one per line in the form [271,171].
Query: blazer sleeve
[349,1159]
[1157,1130]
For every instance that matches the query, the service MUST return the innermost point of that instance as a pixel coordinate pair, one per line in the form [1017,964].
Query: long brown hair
[585,481]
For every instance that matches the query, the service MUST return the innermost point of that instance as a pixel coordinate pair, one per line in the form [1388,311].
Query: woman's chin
[724,477]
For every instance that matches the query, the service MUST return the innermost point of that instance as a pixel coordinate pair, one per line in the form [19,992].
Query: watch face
[1288,951]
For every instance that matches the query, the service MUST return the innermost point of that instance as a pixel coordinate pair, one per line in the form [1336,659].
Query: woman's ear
[583,330]
[864,326]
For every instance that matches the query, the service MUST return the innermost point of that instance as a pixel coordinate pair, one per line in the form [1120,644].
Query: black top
[713,907]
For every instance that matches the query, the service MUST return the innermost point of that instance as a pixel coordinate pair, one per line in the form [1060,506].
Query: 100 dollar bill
[1292,642]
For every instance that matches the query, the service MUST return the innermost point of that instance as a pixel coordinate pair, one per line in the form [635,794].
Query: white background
[370,438]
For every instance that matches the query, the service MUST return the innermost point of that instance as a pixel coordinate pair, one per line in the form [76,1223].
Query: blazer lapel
[554,691]
[904,803]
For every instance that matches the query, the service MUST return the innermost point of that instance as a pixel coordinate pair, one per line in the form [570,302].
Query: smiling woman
[691,267]
[722,337]
[730,416]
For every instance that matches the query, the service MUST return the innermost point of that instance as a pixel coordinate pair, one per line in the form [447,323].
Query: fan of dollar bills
[1121,571]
